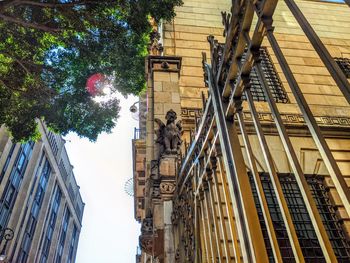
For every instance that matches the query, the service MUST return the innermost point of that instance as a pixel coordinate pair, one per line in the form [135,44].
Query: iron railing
[221,214]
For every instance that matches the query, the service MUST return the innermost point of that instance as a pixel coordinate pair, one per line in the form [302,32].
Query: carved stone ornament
[146,237]
[155,191]
[146,244]
[177,256]
[154,169]
[169,134]
[183,220]
[167,188]
[147,225]
[155,47]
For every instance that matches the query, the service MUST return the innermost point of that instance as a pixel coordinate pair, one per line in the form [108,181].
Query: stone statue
[169,135]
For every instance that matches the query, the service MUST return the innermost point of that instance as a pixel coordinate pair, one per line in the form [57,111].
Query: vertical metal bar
[299,175]
[197,230]
[261,195]
[293,238]
[316,134]
[221,212]
[251,236]
[229,210]
[205,234]
[337,74]
[209,223]
[213,213]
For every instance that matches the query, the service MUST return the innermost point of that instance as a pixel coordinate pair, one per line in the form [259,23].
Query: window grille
[344,64]
[302,222]
[272,78]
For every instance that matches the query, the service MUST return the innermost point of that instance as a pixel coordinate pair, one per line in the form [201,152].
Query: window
[334,1]
[272,78]
[13,185]
[142,182]
[302,222]
[7,162]
[344,64]
[141,203]
[73,241]
[51,222]
[34,212]
[62,237]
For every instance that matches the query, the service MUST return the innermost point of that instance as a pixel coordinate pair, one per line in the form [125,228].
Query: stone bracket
[164,63]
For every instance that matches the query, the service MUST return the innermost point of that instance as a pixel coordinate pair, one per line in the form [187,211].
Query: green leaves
[48,49]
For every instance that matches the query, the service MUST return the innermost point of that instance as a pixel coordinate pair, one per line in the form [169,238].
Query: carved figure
[169,135]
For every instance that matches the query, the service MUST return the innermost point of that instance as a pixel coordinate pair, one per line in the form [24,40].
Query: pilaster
[163,140]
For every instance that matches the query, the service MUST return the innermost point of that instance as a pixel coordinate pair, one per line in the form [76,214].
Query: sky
[109,233]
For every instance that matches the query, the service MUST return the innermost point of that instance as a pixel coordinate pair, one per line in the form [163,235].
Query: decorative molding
[191,113]
[266,117]
[297,119]
[167,187]
[164,63]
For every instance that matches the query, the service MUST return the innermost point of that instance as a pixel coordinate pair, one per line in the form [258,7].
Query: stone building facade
[40,200]
[262,174]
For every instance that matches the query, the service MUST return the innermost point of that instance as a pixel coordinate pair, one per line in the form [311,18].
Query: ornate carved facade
[262,174]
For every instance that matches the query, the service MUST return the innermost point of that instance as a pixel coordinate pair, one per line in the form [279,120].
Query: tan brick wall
[195,20]
[187,37]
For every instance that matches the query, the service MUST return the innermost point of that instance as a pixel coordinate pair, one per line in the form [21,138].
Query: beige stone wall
[195,20]
[331,23]
[187,37]
[166,93]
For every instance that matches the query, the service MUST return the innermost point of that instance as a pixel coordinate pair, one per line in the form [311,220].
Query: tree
[48,50]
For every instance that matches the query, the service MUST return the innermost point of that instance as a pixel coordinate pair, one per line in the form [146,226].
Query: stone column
[163,96]
[168,171]
[169,248]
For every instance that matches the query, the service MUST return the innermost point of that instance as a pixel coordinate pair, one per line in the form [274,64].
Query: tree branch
[10,88]
[6,4]
[17,61]
[53,5]
[49,5]
[30,25]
